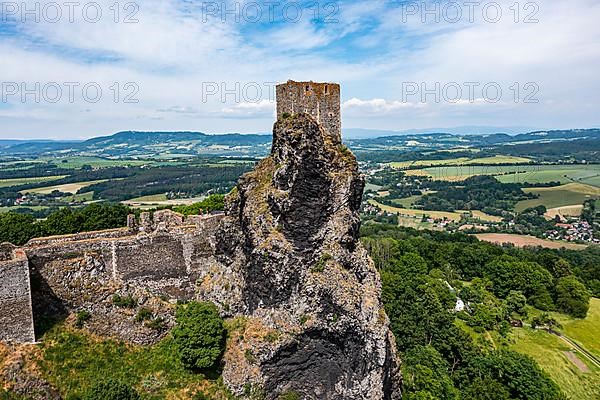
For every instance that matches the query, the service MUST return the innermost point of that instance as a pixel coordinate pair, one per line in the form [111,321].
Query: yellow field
[525,240]
[66,188]
[566,211]
[462,161]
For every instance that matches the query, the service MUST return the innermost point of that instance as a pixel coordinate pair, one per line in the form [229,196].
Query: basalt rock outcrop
[315,323]
[284,265]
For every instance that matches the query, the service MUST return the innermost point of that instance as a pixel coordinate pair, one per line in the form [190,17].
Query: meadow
[551,353]
[571,194]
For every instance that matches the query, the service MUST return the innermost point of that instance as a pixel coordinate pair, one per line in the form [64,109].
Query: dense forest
[422,275]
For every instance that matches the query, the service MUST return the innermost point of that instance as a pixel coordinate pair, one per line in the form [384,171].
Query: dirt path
[575,360]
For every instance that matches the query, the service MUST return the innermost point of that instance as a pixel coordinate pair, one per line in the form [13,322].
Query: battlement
[320,100]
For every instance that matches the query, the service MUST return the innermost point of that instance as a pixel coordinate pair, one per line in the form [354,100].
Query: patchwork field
[525,240]
[160,200]
[571,194]
[587,174]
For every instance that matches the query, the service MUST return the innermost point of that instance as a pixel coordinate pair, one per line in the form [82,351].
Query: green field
[549,352]
[561,196]
[26,181]
[406,202]
[584,331]
[588,174]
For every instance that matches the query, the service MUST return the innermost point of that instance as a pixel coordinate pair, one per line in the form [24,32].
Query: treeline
[185,180]
[421,275]
[18,229]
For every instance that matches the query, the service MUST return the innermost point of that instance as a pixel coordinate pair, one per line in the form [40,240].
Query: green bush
[112,390]
[199,335]
[572,297]
[143,314]
[82,318]
[124,301]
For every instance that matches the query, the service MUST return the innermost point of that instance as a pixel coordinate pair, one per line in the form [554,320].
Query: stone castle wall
[164,256]
[320,100]
[16,315]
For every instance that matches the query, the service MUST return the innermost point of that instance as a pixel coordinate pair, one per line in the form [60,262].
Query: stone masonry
[319,100]
[165,255]
[16,315]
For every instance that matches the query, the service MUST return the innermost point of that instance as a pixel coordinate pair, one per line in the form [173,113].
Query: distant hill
[148,144]
[186,144]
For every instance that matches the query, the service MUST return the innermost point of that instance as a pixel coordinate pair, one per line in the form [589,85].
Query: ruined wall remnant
[163,255]
[16,315]
[319,100]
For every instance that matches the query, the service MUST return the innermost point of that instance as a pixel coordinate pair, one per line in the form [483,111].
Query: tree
[516,302]
[17,228]
[112,390]
[572,297]
[517,373]
[426,373]
[199,335]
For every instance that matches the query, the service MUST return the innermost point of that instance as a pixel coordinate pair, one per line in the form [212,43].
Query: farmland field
[525,240]
[25,181]
[65,188]
[571,194]
[462,161]
[588,174]
[453,216]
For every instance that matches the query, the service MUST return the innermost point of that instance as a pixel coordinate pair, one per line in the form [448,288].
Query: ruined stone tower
[320,100]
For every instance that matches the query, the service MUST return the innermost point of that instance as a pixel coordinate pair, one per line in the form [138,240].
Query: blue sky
[190,65]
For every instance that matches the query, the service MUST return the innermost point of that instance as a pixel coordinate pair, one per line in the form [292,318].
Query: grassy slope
[586,331]
[73,362]
[548,350]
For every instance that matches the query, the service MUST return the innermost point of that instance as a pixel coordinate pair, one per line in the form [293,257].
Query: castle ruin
[319,100]
[165,251]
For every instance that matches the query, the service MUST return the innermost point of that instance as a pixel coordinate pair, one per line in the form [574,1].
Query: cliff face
[315,324]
